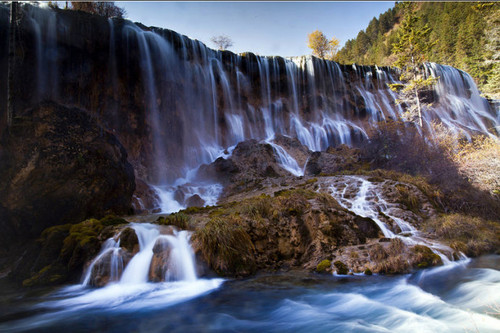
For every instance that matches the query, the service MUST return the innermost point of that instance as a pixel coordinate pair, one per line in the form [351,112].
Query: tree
[106,9]
[222,42]
[321,46]
[410,50]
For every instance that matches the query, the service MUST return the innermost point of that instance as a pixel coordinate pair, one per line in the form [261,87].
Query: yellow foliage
[321,46]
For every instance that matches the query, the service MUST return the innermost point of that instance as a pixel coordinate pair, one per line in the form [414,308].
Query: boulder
[195,201]
[160,261]
[59,166]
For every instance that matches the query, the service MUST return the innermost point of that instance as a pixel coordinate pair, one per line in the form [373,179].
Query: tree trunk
[11,61]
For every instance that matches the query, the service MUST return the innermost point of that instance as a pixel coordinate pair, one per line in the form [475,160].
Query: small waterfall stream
[369,202]
[181,263]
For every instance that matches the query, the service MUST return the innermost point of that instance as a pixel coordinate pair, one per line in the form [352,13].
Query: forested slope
[467,35]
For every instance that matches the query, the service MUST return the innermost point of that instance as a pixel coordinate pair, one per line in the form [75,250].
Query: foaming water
[368,201]
[457,299]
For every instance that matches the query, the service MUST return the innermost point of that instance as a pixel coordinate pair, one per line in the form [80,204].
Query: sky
[265,28]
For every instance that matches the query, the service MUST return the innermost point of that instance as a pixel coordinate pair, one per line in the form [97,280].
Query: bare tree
[222,42]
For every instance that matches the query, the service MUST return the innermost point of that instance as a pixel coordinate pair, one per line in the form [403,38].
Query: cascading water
[369,202]
[129,286]
[181,262]
[198,101]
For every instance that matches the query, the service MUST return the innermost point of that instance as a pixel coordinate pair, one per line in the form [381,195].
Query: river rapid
[461,297]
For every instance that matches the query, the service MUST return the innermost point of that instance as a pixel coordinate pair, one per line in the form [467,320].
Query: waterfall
[180,266]
[183,103]
[109,246]
[286,161]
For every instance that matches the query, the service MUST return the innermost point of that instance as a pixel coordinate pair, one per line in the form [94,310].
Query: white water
[286,161]
[133,291]
[109,246]
[369,202]
[209,100]
[181,265]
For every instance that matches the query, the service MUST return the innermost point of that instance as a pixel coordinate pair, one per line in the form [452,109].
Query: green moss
[49,275]
[197,210]
[341,267]
[111,220]
[323,266]
[311,181]
[425,257]
[368,271]
[180,220]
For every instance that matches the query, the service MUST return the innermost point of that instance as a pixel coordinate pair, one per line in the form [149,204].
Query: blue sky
[265,28]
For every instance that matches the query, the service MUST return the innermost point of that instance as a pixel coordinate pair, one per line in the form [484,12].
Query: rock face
[250,163]
[332,160]
[59,166]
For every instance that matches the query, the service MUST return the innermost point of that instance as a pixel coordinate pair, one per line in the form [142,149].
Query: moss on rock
[64,249]
[341,267]
[324,266]
[424,257]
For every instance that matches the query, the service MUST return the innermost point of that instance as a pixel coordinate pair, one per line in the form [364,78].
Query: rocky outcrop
[62,252]
[59,166]
[332,160]
[251,163]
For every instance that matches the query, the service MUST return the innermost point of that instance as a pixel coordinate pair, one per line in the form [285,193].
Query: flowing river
[460,297]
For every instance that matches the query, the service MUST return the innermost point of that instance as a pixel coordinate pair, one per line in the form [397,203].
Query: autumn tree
[222,42]
[321,46]
[106,9]
[410,49]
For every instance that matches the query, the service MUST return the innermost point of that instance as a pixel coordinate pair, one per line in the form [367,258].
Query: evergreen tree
[410,51]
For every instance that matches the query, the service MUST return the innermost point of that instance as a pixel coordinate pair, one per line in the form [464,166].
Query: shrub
[397,246]
[471,235]
[398,146]
[180,220]
[226,246]
[377,252]
[408,198]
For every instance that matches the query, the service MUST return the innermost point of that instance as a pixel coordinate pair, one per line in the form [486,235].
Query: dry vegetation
[457,175]
[470,235]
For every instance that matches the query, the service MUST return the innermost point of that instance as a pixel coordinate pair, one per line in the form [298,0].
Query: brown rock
[160,261]
[195,201]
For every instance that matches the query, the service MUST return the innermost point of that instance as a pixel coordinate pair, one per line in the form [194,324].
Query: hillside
[467,36]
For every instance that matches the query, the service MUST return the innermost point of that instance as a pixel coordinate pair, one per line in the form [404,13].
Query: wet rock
[109,268]
[129,240]
[332,160]
[145,198]
[160,261]
[195,201]
[293,147]
[367,227]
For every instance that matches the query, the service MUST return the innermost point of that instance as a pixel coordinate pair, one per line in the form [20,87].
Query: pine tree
[410,51]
